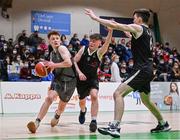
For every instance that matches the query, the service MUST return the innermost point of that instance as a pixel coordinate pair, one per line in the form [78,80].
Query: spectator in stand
[34,41]
[128,53]
[25,71]
[3,70]
[166,56]
[75,42]
[43,46]
[23,38]
[110,52]
[167,48]
[85,41]
[162,70]
[176,54]
[123,71]
[113,43]
[120,49]
[115,74]
[175,75]
[64,40]
[130,65]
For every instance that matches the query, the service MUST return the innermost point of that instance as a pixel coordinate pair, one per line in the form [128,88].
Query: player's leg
[65,92]
[162,125]
[83,110]
[119,95]
[83,92]
[33,125]
[59,111]
[94,109]
[113,128]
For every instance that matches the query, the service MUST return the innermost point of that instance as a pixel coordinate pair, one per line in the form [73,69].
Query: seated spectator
[75,42]
[3,70]
[130,65]
[25,72]
[85,41]
[43,46]
[175,72]
[123,72]
[162,70]
[64,40]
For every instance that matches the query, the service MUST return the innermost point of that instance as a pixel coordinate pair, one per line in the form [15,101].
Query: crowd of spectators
[18,58]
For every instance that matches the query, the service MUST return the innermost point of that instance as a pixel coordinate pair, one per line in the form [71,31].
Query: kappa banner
[23,97]
[27,97]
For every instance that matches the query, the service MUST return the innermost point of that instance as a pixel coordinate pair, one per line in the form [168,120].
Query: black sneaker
[82,116]
[112,130]
[93,126]
[161,128]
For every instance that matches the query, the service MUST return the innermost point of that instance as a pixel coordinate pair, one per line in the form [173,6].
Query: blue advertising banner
[43,22]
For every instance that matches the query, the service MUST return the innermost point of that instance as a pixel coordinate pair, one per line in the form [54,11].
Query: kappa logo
[16,96]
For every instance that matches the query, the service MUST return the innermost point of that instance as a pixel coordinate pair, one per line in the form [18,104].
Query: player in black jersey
[87,61]
[142,73]
[63,83]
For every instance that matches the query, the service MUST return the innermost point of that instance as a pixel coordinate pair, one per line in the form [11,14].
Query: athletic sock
[116,123]
[162,122]
[38,120]
[93,118]
[56,116]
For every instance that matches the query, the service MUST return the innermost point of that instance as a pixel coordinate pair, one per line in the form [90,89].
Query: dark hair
[143,13]
[96,36]
[53,33]
[176,87]
[63,35]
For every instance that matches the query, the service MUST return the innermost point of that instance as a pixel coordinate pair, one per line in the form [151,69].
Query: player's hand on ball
[50,65]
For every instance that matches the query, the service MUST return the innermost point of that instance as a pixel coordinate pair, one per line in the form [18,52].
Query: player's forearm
[108,38]
[112,24]
[77,68]
[64,64]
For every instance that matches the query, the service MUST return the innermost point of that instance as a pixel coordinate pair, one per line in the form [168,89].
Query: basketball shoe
[112,130]
[93,126]
[161,128]
[55,120]
[82,116]
[32,126]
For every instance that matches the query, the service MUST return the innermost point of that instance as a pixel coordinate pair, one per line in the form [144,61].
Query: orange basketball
[168,100]
[41,70]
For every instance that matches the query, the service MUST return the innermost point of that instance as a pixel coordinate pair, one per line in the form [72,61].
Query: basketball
[41,70]
[168,100]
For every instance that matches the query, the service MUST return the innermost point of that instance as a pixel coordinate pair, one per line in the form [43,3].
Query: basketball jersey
[89,64]
[141,47]
[63,74]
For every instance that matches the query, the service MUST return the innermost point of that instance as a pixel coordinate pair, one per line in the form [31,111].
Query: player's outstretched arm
[133,28]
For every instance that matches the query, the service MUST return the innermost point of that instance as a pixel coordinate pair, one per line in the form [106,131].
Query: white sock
[116,123]
[162,122]
[93,118]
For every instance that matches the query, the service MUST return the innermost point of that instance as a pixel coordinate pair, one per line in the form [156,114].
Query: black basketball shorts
[140,79]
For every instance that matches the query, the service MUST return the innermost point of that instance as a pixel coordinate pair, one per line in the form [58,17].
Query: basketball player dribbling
[63,84]
[141,75]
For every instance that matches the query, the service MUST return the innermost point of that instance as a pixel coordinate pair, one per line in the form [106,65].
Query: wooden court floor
[135,125]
